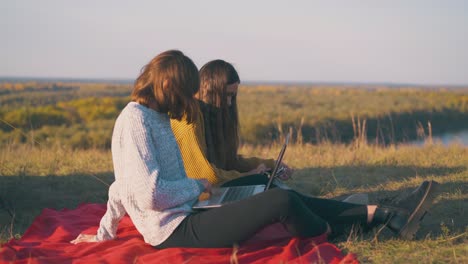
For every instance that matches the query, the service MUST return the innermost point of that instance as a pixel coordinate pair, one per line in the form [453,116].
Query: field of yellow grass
[55,139]
[32,179]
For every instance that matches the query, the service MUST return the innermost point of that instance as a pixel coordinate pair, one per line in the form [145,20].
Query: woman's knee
[285,199]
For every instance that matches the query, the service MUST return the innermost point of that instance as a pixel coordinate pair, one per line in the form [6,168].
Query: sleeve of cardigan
[151,190]
[115,211]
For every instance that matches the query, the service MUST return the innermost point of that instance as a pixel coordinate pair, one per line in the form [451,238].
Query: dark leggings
[233,223]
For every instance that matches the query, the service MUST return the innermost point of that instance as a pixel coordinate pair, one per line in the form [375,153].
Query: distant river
[448,138]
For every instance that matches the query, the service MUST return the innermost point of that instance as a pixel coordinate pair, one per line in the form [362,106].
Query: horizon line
[247,82]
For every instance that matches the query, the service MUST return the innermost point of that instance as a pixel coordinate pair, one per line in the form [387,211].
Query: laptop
[225,195]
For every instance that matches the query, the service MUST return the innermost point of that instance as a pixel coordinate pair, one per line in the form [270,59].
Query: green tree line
[82,115]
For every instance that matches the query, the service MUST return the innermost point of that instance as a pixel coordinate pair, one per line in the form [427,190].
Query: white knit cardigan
[150,181]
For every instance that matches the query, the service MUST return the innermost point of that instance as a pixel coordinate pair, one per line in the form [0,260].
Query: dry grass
[337,170]
[32,178]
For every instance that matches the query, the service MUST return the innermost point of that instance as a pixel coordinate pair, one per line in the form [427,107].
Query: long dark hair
[220,119]
[169,82]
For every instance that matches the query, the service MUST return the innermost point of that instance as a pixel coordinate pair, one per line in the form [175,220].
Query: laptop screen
[278,163]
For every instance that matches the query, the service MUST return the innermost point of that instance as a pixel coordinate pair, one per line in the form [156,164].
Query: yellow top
[192,145]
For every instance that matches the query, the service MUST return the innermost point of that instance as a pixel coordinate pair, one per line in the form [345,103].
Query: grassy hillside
[63,178]
[386,115]
[55,138]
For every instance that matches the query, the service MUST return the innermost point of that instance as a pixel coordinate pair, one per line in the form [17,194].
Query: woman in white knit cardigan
[152,187]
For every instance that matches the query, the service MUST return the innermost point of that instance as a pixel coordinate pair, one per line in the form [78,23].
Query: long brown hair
[168,82]
[220,119]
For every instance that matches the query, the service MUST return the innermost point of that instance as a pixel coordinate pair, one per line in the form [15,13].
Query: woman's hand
[262,168]
[205,195]
[84,238]
[207,185]
[286,173]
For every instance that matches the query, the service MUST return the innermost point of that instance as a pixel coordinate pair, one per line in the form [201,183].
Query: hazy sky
[421,42]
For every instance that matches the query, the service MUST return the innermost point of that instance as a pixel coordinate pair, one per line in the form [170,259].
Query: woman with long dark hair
[209,144]
[219,83]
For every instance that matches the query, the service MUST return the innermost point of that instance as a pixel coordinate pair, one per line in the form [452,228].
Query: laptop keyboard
[234,194]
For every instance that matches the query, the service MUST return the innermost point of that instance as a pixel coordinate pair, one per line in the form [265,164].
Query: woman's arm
[251,163]
[254,162]
[109,222]
[114,213]
[225,175]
